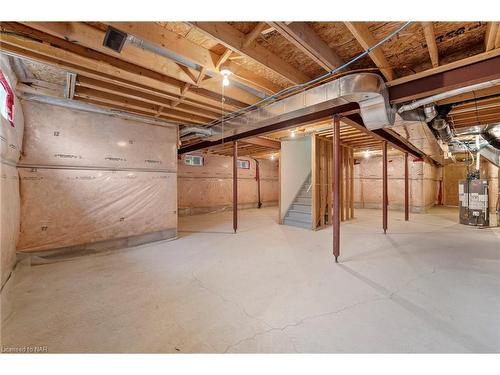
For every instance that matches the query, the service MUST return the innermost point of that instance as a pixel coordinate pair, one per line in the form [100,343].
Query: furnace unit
[473,196]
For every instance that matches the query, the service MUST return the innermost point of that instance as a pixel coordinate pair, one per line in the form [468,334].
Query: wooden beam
[223,58]
[234,39]
[492,36]
[103,97]
[85,35]
[305,38]
[430,39]
[259,141]
[83,61]
[254,34]
[365,38]
[181,46]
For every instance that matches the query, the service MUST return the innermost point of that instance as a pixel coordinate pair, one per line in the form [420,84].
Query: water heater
[473,197]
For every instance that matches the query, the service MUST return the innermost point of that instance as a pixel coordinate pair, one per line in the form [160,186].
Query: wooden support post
[385,202]
[336,188]
[407,190]
[235,186]
[342,189]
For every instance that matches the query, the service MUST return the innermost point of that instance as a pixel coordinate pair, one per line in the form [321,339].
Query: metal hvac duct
[366,89]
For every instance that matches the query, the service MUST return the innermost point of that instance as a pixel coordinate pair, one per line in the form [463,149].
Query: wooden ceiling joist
[492,36]
[203,57]
[305,39]
[83,61]
[235,40]
[365,38]
[85,35]
[430,39]
[264,142]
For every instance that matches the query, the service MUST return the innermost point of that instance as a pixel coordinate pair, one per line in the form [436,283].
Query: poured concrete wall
[424,182]
[295,166]
[209,187]
[10,149]
[89,178]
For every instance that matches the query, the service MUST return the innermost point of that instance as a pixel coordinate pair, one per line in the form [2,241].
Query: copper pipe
[407,190]
[385,199]
[336,187]
[235,186]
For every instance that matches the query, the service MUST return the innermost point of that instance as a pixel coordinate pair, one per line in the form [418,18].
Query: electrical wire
[293,89]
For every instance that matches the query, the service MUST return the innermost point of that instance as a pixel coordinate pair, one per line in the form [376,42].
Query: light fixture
[225,76]
[366,154]
[272,157]
[292,134]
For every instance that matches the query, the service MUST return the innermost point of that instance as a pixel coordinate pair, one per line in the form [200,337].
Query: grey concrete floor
[429,285]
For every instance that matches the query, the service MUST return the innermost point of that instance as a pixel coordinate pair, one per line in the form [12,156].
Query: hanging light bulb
[272,157]
[225,74]
[292,134]
[367,154]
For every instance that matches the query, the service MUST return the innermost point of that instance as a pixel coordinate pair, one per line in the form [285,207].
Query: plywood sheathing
[199,38]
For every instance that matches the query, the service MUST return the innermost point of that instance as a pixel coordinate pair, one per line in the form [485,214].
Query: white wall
[295,165]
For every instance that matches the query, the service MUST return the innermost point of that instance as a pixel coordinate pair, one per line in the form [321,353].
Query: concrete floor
[429,285]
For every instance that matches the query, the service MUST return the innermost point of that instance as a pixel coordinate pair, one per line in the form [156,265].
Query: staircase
[299,213]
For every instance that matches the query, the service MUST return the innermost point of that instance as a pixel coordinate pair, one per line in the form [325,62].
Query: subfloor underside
[429,285]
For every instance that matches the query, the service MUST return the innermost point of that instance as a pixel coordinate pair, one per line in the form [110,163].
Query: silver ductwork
[366,89]
[443,129]
[198,130]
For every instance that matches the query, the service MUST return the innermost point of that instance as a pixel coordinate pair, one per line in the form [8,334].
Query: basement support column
[336,188]
[385,202]
[235,186]
[407,190]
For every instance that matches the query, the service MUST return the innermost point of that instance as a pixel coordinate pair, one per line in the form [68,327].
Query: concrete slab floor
[429,285]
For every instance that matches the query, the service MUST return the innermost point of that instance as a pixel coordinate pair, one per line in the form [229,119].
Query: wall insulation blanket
[86,178]
[209,188]
[11,137]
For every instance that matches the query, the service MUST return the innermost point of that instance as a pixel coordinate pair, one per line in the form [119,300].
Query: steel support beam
[336,188]
[407,190]
[385,200]
[441,81]
[310,117]
[235,186]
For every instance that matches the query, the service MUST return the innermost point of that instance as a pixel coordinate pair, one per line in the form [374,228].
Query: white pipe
[447,94]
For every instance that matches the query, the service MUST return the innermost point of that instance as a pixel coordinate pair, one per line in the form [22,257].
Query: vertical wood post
[235,186]
[407,190]
[385,197]
[336,187]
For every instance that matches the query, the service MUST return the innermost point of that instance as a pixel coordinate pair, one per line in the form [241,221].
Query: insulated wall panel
[423,180]
[62,136]
[63,208]
[9,218]
[88,177]
[210,187]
